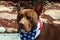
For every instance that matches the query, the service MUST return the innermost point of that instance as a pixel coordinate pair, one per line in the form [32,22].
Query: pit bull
[30,25]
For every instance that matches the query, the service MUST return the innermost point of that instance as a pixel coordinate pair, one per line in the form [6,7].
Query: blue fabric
[28,36]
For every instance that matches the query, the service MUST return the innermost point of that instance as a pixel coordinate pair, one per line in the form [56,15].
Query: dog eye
[30,18]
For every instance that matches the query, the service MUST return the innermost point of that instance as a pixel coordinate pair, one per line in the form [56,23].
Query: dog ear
[19,8]
[38,8]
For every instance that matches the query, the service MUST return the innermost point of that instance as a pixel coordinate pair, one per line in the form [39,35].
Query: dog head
[28,18]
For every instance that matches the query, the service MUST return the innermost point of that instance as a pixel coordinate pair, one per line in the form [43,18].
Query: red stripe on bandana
[41,24]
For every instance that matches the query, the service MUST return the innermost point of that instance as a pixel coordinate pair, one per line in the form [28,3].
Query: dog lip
[24,31]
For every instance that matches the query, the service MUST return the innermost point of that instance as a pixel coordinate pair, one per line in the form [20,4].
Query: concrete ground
[10,36]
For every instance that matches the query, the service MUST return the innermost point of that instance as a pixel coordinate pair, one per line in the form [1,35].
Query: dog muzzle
[33,34]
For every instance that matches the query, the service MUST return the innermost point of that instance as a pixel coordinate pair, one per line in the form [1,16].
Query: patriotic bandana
[34,34]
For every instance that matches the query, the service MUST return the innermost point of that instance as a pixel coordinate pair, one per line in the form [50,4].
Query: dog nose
[21,24]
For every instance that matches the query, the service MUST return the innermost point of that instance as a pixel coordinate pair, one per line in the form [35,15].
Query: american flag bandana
[34,34]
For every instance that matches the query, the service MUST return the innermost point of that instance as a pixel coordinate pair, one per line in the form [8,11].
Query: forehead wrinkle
[31,13]
[25,10]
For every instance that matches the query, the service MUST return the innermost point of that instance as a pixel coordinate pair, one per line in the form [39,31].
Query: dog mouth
[23,28]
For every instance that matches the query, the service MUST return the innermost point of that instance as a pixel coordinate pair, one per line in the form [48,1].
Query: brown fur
[28,19]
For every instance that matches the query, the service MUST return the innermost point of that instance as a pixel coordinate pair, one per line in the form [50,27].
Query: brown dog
[28,19]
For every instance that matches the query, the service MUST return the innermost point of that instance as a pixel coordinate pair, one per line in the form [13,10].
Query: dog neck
[34,34]
[39,27]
